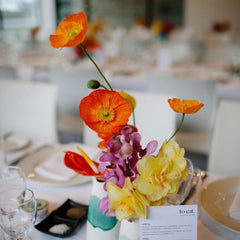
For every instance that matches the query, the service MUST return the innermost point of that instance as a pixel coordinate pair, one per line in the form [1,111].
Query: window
[16,14]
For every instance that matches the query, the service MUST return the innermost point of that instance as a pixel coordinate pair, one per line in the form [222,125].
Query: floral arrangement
[133,176]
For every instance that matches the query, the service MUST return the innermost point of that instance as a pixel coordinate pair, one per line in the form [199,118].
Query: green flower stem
[178,128]
[133,114]
[85,51]
[103,86]
[134,121]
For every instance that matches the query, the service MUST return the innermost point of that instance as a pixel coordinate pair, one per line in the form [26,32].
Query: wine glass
[12,177]
[184,186]
[17,214]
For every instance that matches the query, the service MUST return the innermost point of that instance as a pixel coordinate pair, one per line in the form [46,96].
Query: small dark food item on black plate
[75,213]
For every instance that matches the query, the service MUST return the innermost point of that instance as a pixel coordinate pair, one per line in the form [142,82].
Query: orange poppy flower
[105,112]
[185,106]
[70,32]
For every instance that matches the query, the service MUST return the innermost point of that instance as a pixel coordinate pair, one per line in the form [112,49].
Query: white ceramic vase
[100,226]
[129,230]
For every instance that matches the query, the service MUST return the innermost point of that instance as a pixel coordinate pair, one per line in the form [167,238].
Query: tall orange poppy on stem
[70,32]
[105,112]
[184,107]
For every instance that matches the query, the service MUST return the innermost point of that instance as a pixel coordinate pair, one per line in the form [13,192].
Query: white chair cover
[224,151]
[29,108]
[154,119]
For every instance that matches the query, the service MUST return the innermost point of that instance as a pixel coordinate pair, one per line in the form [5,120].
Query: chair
[7,72]
[196,129]
[29,108]
[154,119]
[72,88]
[224,151]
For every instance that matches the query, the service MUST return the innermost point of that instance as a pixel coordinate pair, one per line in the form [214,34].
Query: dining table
[81,194]
[57,194]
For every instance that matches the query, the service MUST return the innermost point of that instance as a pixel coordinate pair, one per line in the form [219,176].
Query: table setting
[119,189]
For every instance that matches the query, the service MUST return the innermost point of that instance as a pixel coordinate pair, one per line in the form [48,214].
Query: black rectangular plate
[59,216]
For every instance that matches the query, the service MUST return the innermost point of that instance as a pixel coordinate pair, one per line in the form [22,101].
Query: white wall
[202,13]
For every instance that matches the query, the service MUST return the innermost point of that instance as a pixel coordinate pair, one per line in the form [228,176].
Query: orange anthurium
[78,164]
[105,112]
[185,106]
[70,32]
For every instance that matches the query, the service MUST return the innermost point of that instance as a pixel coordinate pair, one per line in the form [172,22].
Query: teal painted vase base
[97,218]
[124,237]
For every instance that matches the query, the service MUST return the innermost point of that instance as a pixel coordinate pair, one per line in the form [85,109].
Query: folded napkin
[54,167]
[234,210]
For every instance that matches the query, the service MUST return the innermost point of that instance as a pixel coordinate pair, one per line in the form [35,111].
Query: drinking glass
[17,214]
[12,177]
[184,186]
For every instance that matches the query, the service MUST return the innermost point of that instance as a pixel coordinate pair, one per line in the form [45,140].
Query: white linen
[54,167]
[234,210]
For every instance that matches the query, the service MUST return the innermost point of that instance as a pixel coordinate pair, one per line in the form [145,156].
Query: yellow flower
[131,100]
[127,202]
[171,151]
[159,176]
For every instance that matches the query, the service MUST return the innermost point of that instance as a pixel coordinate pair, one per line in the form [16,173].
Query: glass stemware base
[17,213]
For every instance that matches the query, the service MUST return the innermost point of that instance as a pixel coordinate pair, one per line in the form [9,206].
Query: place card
[170,222]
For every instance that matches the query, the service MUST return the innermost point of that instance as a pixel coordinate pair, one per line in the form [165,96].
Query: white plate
[216,199]
[29,163]
[15,142]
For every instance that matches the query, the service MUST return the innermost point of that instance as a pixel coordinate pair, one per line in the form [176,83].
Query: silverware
[17,160]
[203,175]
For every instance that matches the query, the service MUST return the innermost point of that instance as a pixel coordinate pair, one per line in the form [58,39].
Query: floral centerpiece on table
[134,177]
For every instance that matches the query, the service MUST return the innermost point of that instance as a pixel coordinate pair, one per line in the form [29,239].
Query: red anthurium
[78,164]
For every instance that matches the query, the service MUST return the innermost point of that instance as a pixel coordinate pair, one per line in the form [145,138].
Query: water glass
[17,214]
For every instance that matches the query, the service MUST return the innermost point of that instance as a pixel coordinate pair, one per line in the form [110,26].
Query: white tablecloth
[81,193]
